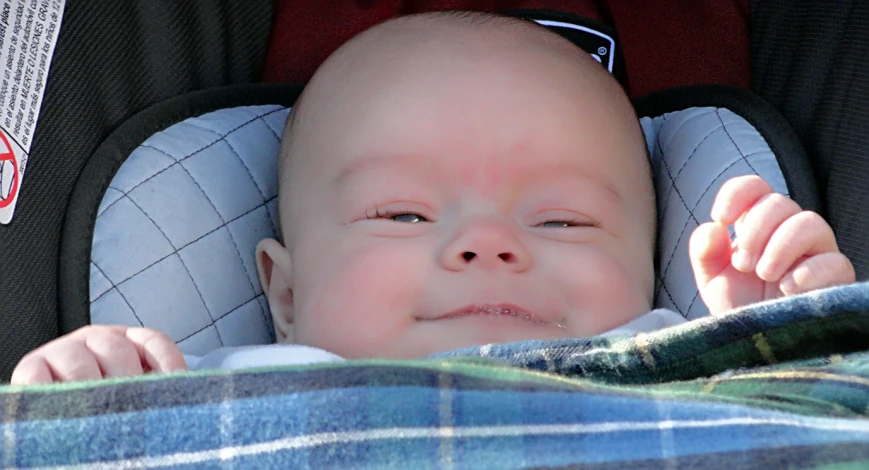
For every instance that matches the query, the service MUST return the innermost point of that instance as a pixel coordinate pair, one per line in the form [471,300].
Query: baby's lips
[492,308]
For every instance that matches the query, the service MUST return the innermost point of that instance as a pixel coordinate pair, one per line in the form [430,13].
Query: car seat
[150,52]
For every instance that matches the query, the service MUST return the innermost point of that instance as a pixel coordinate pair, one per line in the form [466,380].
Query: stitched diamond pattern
[176,231]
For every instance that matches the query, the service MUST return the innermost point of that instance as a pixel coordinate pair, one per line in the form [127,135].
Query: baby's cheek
[362,300]
[604,292]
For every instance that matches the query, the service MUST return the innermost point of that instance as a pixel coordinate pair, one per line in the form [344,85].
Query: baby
[456,179]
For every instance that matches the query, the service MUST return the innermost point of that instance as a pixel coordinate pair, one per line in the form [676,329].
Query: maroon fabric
[665,43]
[668,43]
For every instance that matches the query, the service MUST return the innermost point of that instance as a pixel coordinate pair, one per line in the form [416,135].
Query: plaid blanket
[777,385]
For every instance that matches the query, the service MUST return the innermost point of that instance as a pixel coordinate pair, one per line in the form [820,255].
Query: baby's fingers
[72,364]
[115,354]
[709,251]
[64,361]
[804,235]
[817,272]
[157,351]
[736,196]
[32,370]
[756,227]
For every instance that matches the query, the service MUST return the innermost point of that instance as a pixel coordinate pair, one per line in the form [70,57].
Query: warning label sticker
[28,34]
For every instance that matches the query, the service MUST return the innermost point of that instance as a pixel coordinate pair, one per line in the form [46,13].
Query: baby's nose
[487,245]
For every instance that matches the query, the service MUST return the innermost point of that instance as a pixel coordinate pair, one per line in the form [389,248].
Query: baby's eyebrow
[571,173]
[363,165]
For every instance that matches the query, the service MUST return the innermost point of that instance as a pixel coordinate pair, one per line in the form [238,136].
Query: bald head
[407,34]
[438,34]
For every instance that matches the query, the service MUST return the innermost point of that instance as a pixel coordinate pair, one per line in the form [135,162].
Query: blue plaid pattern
[778,385]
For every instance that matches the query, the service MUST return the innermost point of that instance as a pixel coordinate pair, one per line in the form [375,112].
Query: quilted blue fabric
[175,235]
[693,153]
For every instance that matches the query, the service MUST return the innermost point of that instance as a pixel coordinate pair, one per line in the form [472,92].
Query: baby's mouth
[497,311]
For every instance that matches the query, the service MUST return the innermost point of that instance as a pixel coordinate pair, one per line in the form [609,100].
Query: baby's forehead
[389,71]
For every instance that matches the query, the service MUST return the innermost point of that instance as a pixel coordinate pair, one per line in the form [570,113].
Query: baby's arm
[98,351]
[779,249]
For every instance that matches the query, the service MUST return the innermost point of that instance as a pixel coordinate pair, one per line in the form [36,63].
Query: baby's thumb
[710,252]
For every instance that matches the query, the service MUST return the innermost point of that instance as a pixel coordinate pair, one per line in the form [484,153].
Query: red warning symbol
[8,173]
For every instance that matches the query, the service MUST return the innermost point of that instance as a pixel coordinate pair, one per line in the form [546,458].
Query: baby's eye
[569,223]
[408,218]
[556,224]
[403,215]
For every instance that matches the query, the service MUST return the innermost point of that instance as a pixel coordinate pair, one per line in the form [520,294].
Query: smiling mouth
[497,311]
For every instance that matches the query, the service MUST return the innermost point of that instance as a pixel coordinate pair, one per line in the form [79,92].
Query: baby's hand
[779,249]
[98,351]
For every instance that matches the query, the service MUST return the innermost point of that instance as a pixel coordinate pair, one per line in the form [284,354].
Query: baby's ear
[274,264]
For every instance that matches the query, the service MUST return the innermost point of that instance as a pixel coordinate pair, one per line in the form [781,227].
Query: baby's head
[456,179]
